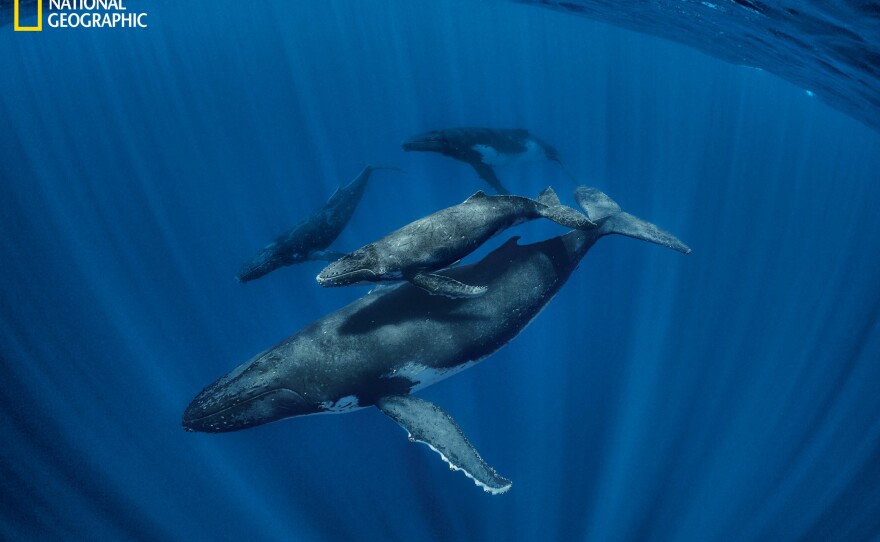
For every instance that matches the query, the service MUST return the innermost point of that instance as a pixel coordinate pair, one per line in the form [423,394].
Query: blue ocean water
[731,394]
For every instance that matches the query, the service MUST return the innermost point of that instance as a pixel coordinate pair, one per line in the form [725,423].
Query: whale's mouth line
[190,421]
[328,279]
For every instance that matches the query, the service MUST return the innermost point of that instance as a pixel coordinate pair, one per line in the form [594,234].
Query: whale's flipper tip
[447,287]
[488,174]
[428,423]
[565,170]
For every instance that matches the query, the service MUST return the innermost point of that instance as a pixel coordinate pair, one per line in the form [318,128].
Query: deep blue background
[732,394]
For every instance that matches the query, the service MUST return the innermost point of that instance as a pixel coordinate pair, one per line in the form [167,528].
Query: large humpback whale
[436,241]
[309,239]
[395,341]
[484,148]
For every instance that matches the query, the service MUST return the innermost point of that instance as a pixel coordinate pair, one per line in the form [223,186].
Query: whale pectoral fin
[428,423]
[488,174]
[445,286]
[325,255]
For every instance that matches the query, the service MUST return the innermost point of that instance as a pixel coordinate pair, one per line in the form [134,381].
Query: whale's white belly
[423,376]
[491,156]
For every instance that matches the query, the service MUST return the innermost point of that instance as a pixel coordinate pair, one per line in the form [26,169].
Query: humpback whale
[436,241]
[394,341]
[309,239]
[484,148]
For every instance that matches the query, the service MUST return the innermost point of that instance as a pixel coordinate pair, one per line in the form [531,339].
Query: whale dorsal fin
[428,423]
[512,242]
[479,194]
[548,197]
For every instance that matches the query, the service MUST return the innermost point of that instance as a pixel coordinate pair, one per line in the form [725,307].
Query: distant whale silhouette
[394,341]
[484,148]
[309,239]
[417,250]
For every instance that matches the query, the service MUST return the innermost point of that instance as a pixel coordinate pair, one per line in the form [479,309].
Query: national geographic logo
[81,14]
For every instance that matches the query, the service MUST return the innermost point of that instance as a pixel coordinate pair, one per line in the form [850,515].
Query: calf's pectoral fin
[445,286]
[488,174]
[428,423]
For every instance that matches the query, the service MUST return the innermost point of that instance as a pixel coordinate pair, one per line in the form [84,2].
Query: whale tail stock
[551,208]
[605,212]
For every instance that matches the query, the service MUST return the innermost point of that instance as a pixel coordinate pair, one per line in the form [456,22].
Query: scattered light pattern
[731,394]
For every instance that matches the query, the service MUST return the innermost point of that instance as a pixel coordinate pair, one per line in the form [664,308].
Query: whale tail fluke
[596,204]
[551,208]
[611,219]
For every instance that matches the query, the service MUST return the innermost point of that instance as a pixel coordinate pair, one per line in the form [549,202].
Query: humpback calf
[308,239]
[390,343]
[432,243]
[484,148]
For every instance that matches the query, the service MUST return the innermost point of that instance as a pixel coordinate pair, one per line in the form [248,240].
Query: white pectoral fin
[428,423]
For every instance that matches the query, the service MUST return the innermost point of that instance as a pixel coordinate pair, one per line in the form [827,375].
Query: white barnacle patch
[533,152]
[344,404]
[491,156]
[423,376]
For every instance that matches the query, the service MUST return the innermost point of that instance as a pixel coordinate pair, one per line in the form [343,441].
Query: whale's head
[433,141]
[362,265]
[255,393]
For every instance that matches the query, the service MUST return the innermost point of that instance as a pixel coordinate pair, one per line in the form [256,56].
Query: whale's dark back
[400,324]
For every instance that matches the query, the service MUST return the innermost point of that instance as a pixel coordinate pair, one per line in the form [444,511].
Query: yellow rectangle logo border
[18,27]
